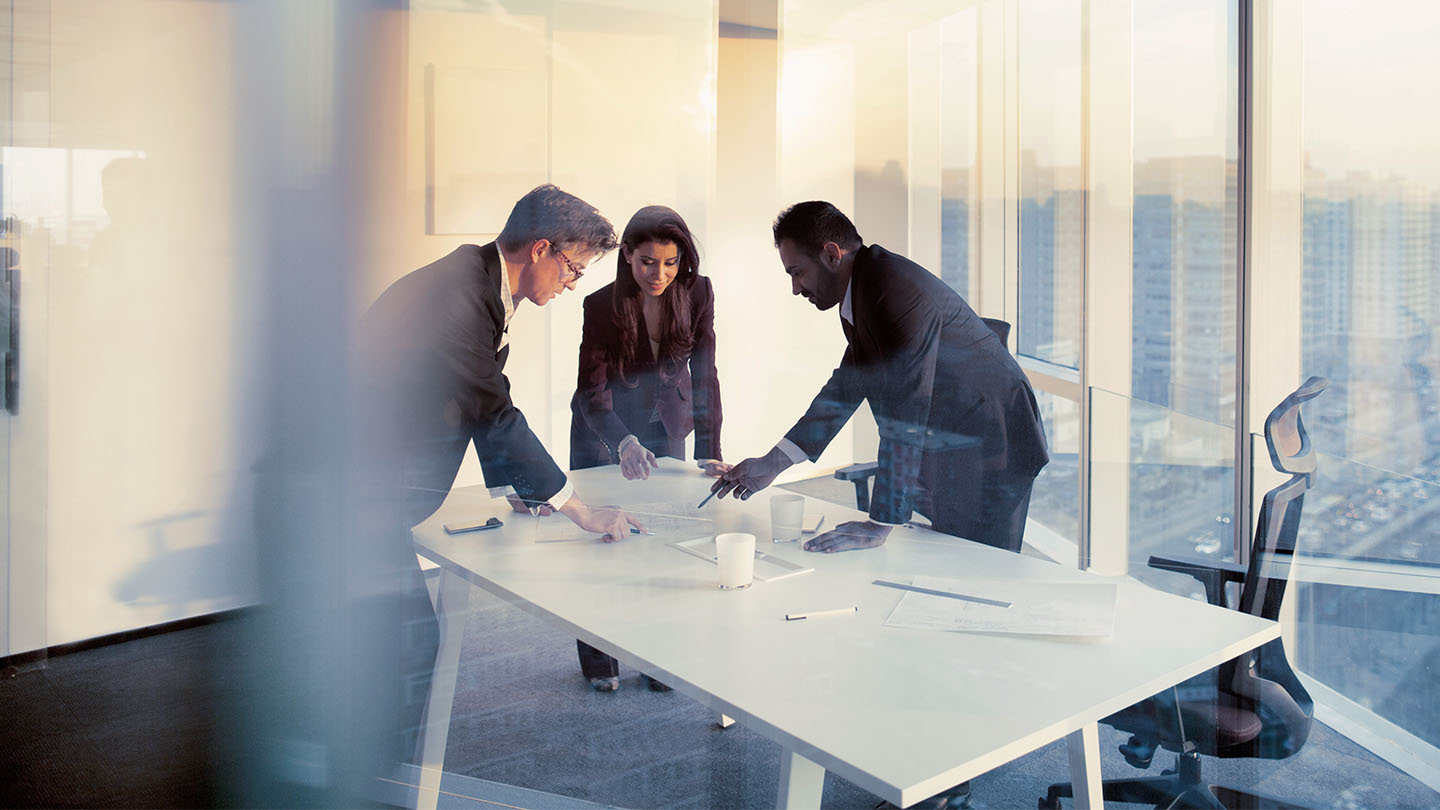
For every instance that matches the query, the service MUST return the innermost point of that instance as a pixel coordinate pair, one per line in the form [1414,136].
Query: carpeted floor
[127,725]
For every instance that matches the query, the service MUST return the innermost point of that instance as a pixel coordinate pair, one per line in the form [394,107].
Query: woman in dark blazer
[647,370]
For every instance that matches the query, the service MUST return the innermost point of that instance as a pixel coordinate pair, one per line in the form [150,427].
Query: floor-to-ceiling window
[1183,283]
[959,141]
[1368,621]
[1048,268]
[1052,182]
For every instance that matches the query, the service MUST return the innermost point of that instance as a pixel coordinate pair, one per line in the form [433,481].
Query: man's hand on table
[519,506]
[611,521]
[850,535]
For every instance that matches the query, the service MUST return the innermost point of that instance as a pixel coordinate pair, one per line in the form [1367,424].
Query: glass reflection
[1055,499]
[959,172]
[1370,302]
[1183,285]
[1052,199]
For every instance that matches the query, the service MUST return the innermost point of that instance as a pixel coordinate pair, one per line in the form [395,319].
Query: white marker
[795,617]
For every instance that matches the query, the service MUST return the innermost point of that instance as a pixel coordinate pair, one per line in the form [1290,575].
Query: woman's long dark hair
[656,223]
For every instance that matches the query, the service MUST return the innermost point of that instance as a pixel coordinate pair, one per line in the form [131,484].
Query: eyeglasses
[574,270]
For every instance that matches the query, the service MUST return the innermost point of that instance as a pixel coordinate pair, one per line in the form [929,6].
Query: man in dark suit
[432,351]
[961,439]
[436,345]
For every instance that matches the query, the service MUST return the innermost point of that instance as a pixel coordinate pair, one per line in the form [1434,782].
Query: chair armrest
[859,475]
[1213,574]
[857,472]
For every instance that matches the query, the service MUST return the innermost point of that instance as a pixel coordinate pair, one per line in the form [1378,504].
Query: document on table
[768,567]
[1036,608]
[673,521]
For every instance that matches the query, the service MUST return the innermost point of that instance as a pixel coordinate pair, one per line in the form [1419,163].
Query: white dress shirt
[507,298]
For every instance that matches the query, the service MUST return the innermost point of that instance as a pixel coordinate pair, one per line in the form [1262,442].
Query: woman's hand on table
[715,469]
[636,461]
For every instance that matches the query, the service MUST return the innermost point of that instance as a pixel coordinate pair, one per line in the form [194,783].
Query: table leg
[1084,749]
[801,783]
[451,605]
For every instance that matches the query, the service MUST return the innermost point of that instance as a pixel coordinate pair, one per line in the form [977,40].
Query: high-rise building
[1368,310]
[1183,294]
[1052,256]
[956,257]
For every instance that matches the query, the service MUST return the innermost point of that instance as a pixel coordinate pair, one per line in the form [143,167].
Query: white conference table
[835,693]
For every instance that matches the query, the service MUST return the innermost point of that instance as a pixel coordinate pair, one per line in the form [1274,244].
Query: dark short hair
[546,212]
[811,224]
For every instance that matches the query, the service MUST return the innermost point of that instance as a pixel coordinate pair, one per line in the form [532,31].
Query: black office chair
[1251,706]
[860,474]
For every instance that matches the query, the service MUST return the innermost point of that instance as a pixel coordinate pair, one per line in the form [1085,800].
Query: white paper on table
[672,521]
[557,528]
[768,567]
[1036,607]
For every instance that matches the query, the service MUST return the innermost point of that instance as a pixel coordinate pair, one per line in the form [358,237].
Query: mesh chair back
[1274,544]
[1264,676]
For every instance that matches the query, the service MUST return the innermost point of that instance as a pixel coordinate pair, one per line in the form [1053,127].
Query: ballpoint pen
[707,499]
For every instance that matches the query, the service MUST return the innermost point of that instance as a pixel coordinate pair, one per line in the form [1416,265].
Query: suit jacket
[941,384]
[605,409]
[434,371]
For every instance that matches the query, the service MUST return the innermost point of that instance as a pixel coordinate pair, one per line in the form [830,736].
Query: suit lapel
[490,270]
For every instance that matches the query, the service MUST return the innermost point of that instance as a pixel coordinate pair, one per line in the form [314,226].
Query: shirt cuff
[701,462]
[562,497]
[882,523]
[500,492]
[625,441]
[791,451]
